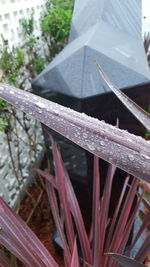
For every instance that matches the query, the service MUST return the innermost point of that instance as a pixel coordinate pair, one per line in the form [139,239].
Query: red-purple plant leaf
[61,186]
[147,42]
[47,176]
[123,218]
[75,256]
[144,250]
[125,261]
[114,219]
[75,209]
[129,225]
[96,214]
[128,152]
[125,212]
[105,201]
[145,224]
[17,237]
[50,185]
[138,112]
[55,211]
[4,261]
[146,204]
[74,206]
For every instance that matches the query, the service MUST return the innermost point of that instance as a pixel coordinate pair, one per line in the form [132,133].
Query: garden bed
[40,221]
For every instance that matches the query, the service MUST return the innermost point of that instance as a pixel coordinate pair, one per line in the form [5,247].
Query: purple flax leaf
[74,207]
[75,256]
[86,264]
[144,250]
[127,151]
[61,186]
[47,176]
[52,181]
[16,236]
[96,213]
[146,42]
[50,185]
[138,112]
[125,261]
[128,227]
[55,211]
[146,203]
[4,261]
[145,224]
[123,218]
[113,222]
[85,246]
[105,201]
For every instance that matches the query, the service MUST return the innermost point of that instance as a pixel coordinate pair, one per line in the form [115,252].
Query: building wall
[11,13]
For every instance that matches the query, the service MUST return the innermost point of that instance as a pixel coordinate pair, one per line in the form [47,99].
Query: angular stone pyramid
[108,31]
[122,15]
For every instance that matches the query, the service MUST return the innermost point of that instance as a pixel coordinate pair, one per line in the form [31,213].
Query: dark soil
[41,221]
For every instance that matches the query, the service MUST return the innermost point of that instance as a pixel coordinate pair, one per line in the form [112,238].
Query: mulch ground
[41,221]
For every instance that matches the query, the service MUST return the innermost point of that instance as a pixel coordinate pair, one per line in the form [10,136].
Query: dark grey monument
[108,31]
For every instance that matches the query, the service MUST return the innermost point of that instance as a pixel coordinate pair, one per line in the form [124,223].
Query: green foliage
[3,123]
[147,196]
[35,62]
[4,118]
[28,25]
[55,25]
[3,104]
[30,43]
[19,57]
[11,63]
[66,4]
[39,64]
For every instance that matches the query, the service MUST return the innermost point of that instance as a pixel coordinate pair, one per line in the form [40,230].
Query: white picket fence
[11,13]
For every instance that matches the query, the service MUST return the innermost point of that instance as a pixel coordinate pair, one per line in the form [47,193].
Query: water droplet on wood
[40,105]
[131,157]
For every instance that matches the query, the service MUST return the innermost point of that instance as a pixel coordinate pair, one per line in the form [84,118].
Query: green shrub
[55,25]
[11,63]
[4,118]
[36,62]
[28,25]
[39,64]
[66,4]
